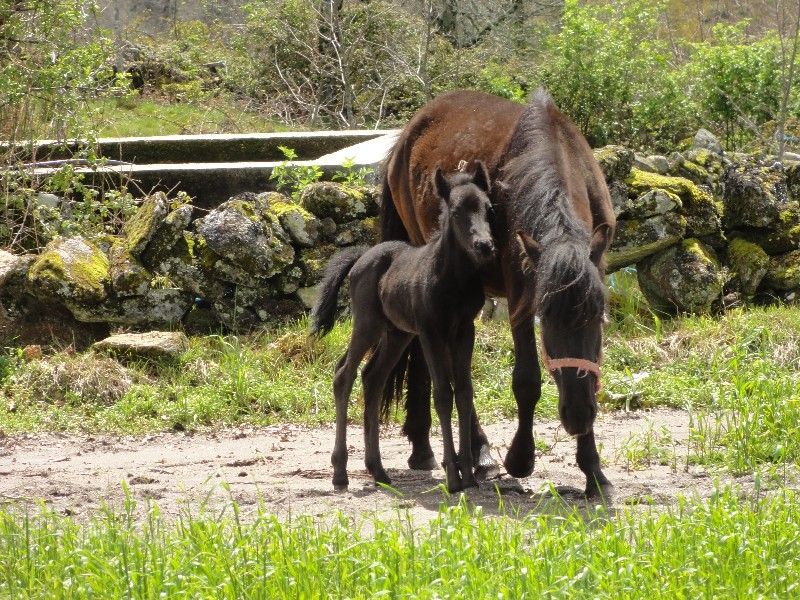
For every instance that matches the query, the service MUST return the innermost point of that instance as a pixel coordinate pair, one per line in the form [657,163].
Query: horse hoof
[600,491]
[381,478]
[486,467]
[518,467]
[422,463]
[469,481]
[340,487]
[340,483]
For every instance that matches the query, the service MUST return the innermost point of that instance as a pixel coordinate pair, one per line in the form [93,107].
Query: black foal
[398,291]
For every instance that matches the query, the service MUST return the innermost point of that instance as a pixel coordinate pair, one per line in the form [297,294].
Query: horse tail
[323,315]
[392,228]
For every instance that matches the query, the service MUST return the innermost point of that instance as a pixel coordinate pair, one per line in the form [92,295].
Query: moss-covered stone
[72,270]
[158,307]
[363,231]
[783,274]
[615,161]
[755,195]
[240,241]
[339,202]
[167,233]
[128,276]
[649,204]
[685,278]
[139,229]
[748,264]
[636,239]
[302,227]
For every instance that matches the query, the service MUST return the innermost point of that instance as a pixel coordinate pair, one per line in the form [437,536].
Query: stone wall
[704,230]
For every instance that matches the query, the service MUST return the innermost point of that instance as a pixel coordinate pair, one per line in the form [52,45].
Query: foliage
[736,81]
[351,176]
[49,67]
[290,177]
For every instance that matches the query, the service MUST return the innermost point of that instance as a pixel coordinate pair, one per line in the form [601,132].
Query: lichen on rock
[748,264]
[783,273]
[128,276]
[140,228]
[685,278]
[339,202]
[72,270]
[615,161]
[636,239]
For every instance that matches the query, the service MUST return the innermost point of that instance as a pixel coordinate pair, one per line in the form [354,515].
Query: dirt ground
[287,468]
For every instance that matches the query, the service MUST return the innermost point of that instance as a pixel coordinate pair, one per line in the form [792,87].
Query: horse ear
[530,246]
[601,238]
[441,184]
[481,177]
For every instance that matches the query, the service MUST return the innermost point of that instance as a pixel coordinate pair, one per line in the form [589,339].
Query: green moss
[141,226]
[72,269]
[641,181]
[784,272]
[700,251]
[749,264]
[280,208]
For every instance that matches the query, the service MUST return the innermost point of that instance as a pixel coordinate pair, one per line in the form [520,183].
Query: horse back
[457,126]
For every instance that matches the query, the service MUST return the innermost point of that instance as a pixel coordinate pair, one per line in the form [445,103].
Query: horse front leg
[527,386]
[588,459]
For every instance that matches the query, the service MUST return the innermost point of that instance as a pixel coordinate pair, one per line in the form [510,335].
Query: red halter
[554,364]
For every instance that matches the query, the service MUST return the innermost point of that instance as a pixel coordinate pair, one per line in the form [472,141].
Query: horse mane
[568,287]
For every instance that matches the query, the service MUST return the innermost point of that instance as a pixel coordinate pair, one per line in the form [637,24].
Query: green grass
[735,375]
[724,548]
[133,117]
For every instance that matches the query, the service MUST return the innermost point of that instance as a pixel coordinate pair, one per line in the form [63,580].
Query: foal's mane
[568,288]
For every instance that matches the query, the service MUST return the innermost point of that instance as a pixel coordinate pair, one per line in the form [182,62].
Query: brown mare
[553,223]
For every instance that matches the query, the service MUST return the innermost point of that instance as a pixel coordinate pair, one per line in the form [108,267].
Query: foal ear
[481,177]
[441,185]
[530,246]
[601,238]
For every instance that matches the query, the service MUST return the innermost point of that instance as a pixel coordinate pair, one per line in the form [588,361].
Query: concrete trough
[181,149]
[210,183]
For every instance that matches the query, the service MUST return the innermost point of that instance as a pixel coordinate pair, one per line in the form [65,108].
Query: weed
[292,178]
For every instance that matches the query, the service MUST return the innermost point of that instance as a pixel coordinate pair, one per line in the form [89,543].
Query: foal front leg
[461,347]
[437,357]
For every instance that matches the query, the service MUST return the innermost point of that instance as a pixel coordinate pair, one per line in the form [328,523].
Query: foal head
[466,211]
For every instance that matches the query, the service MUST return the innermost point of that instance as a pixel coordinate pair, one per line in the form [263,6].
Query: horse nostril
[486,248]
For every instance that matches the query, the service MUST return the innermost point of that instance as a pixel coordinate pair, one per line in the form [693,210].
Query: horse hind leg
[374,377]
[346,371]
[417,425]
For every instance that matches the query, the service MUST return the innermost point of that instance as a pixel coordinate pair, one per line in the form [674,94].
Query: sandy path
[288,469]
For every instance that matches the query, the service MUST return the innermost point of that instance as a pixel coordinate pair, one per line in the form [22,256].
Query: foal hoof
[486,467]
[340,482]
[380,477]
[422,463]
[603,492]
[454,482]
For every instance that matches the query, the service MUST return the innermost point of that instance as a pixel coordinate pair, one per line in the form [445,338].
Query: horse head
[570,300]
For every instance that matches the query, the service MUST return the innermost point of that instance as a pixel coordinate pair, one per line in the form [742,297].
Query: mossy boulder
[153,344]
[10,264]
[158,307]
[167,233]
[705,140]
[685,278]
[240,241]
[362,231]
[748,264]
[703,213]
[312,261]
[128,275]
[181,266]
[680,166]
[783,274]
[755,195]
[615,161]
[73,270]
[302,227]
[339,202]
[635,239]
[649,204]
[140,228]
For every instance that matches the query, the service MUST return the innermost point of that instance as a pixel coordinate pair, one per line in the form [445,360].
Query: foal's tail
[323,315]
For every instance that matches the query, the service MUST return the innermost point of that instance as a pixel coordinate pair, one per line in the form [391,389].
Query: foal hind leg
[374,377]
[588,459]
[346,371]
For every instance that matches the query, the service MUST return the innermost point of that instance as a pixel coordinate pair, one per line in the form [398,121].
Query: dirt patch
[287,469]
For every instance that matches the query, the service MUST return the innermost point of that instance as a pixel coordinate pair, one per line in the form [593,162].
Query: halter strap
[554,364]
